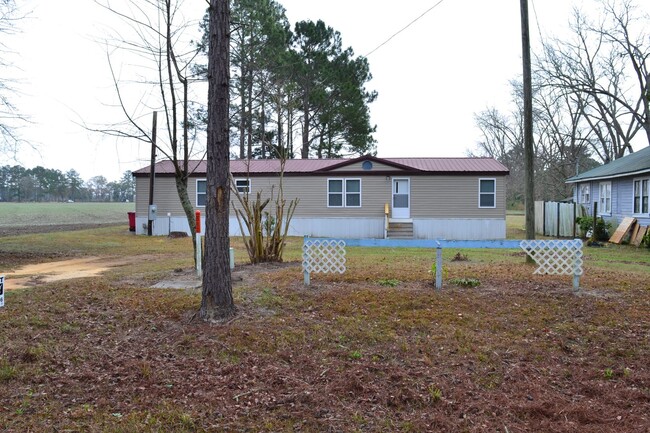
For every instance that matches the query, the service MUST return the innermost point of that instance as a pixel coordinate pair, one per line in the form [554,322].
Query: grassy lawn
[25,214]
[374,349]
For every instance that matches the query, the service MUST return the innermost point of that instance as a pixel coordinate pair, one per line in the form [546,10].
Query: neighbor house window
[243,185]
[641,196]
[583,194]
[201,192]
[605,198]
[344,193]
[487,193]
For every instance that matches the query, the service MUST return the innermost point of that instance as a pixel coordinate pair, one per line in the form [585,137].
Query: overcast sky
[455,61]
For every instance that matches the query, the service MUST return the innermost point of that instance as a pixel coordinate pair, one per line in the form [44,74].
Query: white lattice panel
[323,256]
[555,257]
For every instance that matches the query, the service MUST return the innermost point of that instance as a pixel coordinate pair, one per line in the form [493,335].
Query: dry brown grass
[350,353]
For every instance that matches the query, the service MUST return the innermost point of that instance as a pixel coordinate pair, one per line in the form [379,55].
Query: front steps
[400,230]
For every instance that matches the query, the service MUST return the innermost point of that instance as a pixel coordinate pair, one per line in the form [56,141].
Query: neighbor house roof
[629,165]
[297,167]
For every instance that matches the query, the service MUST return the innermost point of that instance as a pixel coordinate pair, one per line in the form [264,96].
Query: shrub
[601,232]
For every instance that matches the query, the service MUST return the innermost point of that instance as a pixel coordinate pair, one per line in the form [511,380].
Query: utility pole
[152,171]
[529,164]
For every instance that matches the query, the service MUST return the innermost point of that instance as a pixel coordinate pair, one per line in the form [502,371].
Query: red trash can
[131,221]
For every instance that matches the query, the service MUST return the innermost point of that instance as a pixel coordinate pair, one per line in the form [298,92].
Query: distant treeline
[19,184]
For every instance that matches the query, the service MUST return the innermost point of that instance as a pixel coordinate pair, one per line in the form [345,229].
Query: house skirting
[459,228]
[354,228]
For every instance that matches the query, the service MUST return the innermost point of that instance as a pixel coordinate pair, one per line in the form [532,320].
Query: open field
[375,349]
[19,218]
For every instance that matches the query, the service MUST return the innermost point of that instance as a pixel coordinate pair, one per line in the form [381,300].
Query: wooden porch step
[400,231]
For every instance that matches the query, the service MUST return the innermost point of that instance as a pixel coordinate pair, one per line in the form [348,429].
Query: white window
[583,194]
[641,196]
[605,198]
[487,193]
[243,185]
[201,192]
[343,192]
[352,192]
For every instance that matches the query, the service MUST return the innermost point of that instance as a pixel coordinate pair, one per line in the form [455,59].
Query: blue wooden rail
[428,243]
[438,244]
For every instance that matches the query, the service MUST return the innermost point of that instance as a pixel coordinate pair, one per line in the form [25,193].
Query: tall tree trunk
[304,153]
[216,301]
[188,208]
[263,124]
[242,115]
[249,114]
[281,151]
[289,131]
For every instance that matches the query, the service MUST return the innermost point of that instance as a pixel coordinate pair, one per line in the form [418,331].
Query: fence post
[573,220]
[199,255]
[576,267]
[438,267]
[305,272]
[595,217]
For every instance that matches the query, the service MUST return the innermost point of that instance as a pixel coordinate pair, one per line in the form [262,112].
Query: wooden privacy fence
[557,219]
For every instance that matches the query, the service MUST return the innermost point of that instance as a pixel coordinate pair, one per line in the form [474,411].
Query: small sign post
[2,291]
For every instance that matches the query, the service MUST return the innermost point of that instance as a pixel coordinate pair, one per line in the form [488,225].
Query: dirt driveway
[40,273]
[32,275]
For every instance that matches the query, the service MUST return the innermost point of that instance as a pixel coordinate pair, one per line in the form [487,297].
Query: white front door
[401,198]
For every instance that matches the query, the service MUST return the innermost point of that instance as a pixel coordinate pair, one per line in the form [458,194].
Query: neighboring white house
[430,198]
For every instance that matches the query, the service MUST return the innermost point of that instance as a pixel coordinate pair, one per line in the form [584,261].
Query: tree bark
[304,152]
[217,302]
[188,207]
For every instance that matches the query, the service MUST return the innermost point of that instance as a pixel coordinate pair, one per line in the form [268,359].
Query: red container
[131,221]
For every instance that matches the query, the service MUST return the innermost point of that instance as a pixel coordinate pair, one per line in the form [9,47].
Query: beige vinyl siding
[431,196]
[165,196]
[453,197]
[358,166]
[312,191]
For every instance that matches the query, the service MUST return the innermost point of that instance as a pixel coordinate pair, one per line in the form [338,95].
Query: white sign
[2,290]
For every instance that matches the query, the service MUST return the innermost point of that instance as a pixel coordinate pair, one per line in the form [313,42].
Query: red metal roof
[297,166]
[452,164]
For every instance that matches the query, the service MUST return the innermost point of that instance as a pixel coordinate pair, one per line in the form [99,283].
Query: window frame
[493,193]
[604,209]
[248,185]
[581,193]
[344,192]
[201,193]
[644,206]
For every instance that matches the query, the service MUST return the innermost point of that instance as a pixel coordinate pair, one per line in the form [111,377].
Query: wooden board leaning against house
[638,235]
[622,230]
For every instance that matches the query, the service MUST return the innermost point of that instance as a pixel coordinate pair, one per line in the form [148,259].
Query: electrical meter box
[153,212]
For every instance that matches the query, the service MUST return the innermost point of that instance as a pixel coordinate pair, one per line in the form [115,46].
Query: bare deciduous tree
[10,118]
[162,48]
[606,65]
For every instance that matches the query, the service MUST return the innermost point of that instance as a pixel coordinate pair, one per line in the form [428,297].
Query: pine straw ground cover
[375,349]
